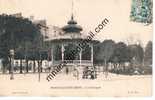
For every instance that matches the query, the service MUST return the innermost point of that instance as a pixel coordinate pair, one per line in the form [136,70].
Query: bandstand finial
[72,24]
[72,14]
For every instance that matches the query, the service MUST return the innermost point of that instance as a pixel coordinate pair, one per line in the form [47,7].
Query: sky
[88,13]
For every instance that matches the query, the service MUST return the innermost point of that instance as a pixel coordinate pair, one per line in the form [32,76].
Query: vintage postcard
[80,48]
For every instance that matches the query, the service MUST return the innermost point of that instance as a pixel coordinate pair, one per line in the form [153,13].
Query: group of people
[87,73]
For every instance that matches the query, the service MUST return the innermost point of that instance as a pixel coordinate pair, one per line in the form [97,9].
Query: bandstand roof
[69,33]
[72,26]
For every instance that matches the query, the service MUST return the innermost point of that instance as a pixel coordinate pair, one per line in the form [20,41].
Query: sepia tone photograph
[79,48]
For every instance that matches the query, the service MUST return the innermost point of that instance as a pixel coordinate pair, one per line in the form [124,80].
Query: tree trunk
[38,66]
[4,68]
[41,69]
[21,66]
[105,62]
[34,66]
[115,66]
[10,65]
[27,69]
[106,68]
[124,67]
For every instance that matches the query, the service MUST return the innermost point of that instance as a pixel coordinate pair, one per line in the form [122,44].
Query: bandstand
[62,45]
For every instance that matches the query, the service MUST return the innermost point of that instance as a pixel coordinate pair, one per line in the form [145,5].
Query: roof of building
[72,26]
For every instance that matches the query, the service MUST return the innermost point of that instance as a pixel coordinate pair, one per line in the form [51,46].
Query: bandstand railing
[74,62]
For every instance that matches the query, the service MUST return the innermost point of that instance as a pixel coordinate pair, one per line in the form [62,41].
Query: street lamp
[12,63]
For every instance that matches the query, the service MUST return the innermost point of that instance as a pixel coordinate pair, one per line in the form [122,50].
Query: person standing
[76,73]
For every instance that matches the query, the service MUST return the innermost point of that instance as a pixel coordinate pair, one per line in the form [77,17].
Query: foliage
[148,54]
[105,50]
[17,33]
[136,53]
[120,54]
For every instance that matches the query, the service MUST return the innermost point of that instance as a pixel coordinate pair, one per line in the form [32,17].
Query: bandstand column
[52,55]
[80,56]
[62,52]
[92,56]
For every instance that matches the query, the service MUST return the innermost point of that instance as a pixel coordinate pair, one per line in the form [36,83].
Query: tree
[20,55]
[15,33]
[136,54]
[107,48]
[104,51]
[120,55]
[148,54]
